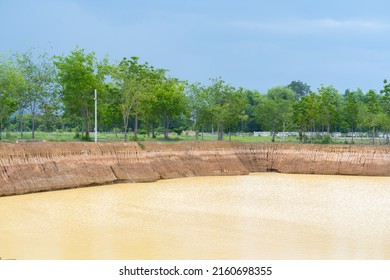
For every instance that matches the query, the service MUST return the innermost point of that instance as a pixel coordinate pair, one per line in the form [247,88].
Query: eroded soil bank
[34,167]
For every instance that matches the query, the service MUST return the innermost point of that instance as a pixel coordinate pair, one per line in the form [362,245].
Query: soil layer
[34,167]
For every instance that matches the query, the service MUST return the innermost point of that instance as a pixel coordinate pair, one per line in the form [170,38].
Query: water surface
[260,216]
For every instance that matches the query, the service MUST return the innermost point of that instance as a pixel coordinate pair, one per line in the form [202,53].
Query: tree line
[40,92]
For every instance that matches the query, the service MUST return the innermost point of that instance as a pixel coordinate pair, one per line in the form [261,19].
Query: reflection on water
[260,216]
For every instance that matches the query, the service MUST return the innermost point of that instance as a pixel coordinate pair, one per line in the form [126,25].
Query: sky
[251,44]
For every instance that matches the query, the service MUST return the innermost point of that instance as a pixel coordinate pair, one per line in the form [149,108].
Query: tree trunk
[373,135]
[125,125]
[220,132]
[87,125]
[166,122]
[21,123]
[126,136]
[33,125]
[328,129]
[136,127]
[33,120]
[126,116]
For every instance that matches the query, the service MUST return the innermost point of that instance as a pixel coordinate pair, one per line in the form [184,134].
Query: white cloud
[365,25]
[303,26]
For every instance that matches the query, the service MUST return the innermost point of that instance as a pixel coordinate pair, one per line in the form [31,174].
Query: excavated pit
[34,167]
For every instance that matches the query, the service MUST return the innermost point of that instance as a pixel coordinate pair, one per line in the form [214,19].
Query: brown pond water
[260,216]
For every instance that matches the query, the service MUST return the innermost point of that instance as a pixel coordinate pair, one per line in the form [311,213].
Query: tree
[11,82]
[372,112]
[329,102]
[300,88]
[49,118]
[110,115]
[301,117]
[135,82]
[385,104]
[351,112]
[248,122]
[171,101]
[79,74]
[275,109]
[224,105]
[196,104]
[235,109]
[38,81]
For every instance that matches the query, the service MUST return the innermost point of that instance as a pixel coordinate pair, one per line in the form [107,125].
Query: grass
[112,137]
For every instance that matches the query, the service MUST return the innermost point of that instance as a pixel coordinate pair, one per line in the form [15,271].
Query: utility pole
[95,115]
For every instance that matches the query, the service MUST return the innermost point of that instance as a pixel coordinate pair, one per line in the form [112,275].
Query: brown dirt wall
[34,167]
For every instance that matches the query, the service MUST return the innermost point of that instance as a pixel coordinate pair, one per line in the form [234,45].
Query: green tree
[313,103]
[149,117]
[300,118]
[11,82]
[50,117]
[171,101]
[372,117]
[248,122]
[328,111]
[306,115]
[196,104]
[300,88]
[225,105]
[136,83]
[274,110]
[235,109]
[110,115]
[79,74]
[351,111]
[385,104]
[38,83]
[152,99]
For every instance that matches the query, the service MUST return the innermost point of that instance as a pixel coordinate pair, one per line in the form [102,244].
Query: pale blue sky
[253,44]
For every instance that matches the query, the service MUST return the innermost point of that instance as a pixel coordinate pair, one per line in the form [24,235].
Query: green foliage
[351,112]
[132,81]
[38,88]
[146,94]
[109,114]
[274,110]
[300,88]
[134,94]
[49,120]
[221,105]
[328,111]
[171,101]
[11,82]
[79,73]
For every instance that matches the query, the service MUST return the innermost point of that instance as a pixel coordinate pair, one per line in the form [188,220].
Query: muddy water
[260,216]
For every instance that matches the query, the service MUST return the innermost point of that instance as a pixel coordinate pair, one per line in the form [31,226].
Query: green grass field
[111,137]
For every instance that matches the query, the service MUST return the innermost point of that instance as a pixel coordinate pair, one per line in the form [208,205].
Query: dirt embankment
[34,167]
